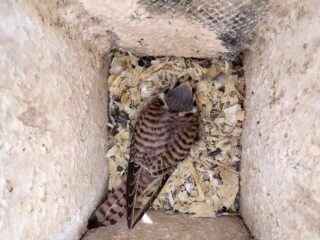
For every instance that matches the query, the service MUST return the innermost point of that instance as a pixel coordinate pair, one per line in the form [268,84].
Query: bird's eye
[189,114]
[161,102]
[177,84]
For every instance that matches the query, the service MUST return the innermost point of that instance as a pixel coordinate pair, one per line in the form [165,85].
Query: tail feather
[111,211]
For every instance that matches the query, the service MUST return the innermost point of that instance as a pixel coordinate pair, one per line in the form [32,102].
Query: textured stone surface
[200,29]
[280,170]
[129,26]
[52,137]
[52,111]
[175,227]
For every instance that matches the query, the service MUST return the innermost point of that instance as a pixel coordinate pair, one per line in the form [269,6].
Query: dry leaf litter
[207,182]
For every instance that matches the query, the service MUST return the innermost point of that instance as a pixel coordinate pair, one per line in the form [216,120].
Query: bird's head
[180,98]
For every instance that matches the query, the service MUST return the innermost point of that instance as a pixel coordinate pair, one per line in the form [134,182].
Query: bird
[162,137]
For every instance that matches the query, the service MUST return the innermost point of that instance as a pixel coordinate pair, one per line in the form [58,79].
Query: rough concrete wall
[189,29]
[52,136]
[127,26]
[280,170]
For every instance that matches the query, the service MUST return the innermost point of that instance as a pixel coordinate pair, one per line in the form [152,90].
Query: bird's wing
[140,194]
[151,163]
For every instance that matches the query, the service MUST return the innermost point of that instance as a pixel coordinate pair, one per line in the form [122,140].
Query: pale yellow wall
[52,130]
[53,113]
[280,165]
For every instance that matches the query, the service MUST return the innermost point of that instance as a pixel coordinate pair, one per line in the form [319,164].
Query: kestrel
[162,137]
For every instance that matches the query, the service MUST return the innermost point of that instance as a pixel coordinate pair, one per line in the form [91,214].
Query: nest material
[207,181]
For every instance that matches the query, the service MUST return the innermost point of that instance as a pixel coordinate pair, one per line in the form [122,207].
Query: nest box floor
[160,226]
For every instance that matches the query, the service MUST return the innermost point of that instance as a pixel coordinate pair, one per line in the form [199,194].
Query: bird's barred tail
[111,211]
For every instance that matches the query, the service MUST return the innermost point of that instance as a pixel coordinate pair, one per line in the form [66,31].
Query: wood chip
[207,182]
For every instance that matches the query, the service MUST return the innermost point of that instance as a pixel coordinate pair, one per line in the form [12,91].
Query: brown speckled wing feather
[136,191]
[160,141]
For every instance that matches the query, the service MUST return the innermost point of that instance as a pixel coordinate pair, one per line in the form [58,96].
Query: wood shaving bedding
[207,182]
